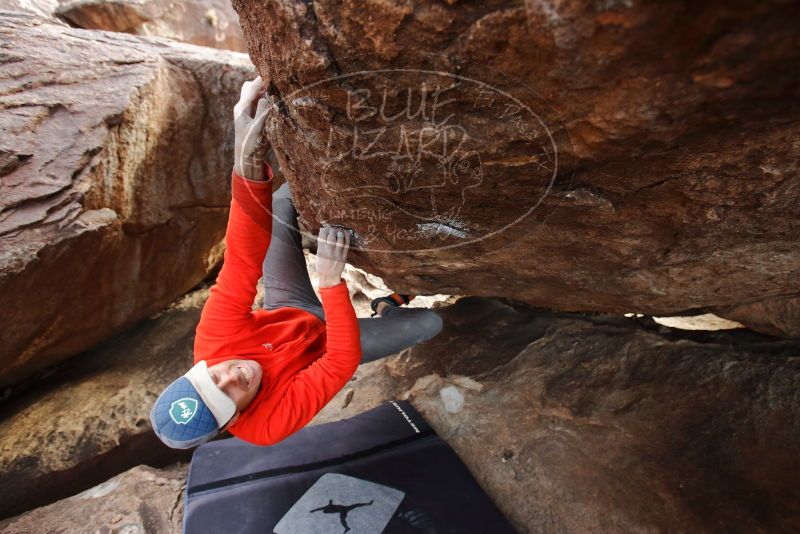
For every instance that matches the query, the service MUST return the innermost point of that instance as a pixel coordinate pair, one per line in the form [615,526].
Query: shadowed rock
[90,419]
[582,423]
[571,422]
[140,500]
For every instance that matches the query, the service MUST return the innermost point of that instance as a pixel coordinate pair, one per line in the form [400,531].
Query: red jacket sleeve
[313,387]
[229,305]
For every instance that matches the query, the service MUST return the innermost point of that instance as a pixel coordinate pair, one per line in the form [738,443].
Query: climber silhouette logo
[182,410]
[340,509]
[353,505]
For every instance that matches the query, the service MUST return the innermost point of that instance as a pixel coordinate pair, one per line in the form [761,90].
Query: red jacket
[305,361]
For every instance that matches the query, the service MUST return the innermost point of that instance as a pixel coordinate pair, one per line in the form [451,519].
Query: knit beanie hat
[191,410]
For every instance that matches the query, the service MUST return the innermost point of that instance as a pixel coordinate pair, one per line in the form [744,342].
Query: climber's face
[238,379]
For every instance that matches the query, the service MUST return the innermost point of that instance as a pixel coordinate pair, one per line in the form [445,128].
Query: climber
[264,374]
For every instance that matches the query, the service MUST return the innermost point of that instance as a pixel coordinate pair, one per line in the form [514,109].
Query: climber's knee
[283,208]
[283,191]
[430,324]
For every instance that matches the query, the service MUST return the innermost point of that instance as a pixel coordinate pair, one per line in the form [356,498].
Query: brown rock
[142,499]
[90,420]
[113,195]
[611,156]
[209,22]
[577,423]
[778,316]
[103,15]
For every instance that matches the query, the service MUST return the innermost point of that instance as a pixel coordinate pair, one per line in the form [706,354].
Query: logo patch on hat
[182,410]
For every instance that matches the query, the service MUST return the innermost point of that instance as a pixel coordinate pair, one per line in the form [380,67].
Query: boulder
[113,193]
[595,423]
[613,156]
[90,420]
[208,23]
[140,500]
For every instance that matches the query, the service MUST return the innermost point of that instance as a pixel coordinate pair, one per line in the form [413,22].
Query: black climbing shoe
[395,299]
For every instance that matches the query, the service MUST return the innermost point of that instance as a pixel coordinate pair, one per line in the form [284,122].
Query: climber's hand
[332,246]
[251,141]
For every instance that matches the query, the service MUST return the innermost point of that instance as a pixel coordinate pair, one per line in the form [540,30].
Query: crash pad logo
[182,410]
[341,504]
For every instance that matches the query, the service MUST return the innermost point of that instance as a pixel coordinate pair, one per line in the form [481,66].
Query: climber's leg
[397,329]
[287,284]
[286,281]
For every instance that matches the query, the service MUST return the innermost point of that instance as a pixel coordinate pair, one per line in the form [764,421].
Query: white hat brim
[220,404]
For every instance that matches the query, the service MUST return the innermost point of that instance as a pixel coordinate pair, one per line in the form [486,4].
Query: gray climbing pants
[287,284]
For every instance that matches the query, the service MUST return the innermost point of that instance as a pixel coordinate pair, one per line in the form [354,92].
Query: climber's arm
[313,387]
[228,308]
[229,305]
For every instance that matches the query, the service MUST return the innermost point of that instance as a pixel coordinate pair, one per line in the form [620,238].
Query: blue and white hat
[191,410]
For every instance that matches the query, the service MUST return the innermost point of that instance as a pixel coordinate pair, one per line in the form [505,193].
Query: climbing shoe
[395,299]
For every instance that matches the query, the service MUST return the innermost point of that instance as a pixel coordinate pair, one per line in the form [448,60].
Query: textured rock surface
[90,420]
[208,23]
[605,424]
[113,181]
[142,500]
[654,169]
[779,316]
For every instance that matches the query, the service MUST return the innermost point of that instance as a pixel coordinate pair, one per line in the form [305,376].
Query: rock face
[90,420]
[113,182]
[137,501]
[577,423]
[209,23]
[778,316]
[612,156]
[571,422]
